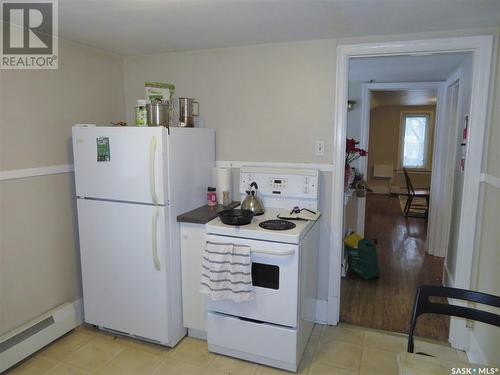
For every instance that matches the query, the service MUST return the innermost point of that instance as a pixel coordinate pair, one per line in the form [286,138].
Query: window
[415,144]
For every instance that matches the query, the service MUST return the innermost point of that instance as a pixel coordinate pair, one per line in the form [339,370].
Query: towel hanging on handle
[226,272]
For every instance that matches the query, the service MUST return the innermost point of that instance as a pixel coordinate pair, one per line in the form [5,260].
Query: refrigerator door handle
[154,234]
[152,169]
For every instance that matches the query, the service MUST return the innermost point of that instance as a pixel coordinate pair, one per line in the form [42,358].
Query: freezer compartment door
[120,163]
[124,261]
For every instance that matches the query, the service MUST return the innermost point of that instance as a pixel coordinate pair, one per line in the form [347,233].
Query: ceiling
[403,97]
[132,27]
[428,68]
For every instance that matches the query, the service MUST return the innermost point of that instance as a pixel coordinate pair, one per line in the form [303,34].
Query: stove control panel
[278,184]
[283,183]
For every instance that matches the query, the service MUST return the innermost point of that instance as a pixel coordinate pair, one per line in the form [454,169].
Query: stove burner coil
[277,225]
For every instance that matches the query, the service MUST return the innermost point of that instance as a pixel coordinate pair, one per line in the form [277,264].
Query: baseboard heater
[34,335]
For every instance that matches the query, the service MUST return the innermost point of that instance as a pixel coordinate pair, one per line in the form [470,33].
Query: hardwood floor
[386,303]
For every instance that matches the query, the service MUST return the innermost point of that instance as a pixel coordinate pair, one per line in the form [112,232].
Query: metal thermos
[186,111]
[157,113]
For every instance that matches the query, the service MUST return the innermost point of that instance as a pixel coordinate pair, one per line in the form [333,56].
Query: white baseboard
[448,279]
[382,189]
[474,353]
[321,311]
[25,340]
[197,334]
[333,313]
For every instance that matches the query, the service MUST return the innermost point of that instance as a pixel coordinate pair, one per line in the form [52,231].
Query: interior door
[120,163]
[122,249]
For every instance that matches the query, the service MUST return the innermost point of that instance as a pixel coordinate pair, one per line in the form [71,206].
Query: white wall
[464,101]
[39,260]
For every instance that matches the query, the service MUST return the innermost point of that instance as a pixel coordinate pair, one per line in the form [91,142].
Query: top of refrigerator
[141,164]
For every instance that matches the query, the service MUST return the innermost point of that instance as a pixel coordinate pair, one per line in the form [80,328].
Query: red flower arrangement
[352,152]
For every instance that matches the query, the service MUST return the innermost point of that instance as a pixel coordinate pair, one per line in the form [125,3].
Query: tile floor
[342,350]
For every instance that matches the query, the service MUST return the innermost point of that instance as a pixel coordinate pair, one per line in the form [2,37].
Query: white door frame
[364,140]
[481,47]
[441,200]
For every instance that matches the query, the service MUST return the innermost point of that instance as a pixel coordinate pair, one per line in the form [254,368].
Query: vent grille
[28,332]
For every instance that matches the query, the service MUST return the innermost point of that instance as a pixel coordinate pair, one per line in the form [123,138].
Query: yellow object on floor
[352,240]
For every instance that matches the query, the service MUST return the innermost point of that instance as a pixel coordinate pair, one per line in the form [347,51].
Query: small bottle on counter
[212,196]
[140,113]
[225,199]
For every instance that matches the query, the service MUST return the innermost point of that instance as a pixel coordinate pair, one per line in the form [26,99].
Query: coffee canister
[187,111]
[157,113]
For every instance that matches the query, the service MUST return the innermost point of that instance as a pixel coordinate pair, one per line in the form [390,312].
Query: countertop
[204,214]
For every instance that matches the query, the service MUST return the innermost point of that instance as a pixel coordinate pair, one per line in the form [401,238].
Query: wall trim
[323,167]
[33,172]
[14,174]
[448,279]
[321,311]
[490,180]
[474,353]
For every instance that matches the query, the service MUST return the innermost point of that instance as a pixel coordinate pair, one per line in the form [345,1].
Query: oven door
[275,280]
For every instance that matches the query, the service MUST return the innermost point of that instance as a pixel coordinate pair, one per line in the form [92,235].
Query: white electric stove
[254,231]
[274,328]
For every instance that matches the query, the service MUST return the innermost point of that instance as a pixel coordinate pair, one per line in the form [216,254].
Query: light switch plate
[319,148]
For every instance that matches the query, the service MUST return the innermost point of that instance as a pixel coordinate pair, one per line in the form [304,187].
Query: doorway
[481,49]
[399,137]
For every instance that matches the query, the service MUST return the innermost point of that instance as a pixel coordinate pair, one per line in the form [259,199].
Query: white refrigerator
[131,183]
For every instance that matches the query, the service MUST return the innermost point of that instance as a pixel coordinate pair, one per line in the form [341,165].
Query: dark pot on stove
[236,217]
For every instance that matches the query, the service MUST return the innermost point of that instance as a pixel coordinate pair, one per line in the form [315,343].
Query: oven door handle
[271,252]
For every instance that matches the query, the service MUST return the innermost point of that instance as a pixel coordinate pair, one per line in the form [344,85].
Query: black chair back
[423,305]
[409,185]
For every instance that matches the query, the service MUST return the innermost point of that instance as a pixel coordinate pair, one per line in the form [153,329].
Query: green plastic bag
[363,261]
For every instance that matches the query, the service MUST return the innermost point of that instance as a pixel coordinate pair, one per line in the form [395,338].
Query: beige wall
[267,102]
[39,265]
[384,145]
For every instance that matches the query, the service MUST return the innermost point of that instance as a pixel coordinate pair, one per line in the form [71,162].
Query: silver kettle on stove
[252,202]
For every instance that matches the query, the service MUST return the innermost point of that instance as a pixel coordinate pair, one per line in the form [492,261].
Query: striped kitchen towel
[226,272]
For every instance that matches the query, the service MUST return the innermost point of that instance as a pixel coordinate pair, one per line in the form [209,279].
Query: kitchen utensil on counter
[157,113]
[186,111]
[223,182]
[236,217]
[252,202]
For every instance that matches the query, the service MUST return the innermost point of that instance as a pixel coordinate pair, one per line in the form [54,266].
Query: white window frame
[429,136]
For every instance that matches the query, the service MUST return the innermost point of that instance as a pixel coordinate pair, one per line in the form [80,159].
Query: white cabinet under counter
[193,302]
[192,240]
